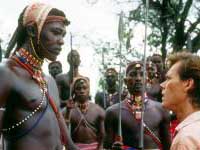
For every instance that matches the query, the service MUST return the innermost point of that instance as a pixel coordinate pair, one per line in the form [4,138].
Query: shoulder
[158,106]
[97,108]
[61,77]
[5,71]
[188,138]
[112,109]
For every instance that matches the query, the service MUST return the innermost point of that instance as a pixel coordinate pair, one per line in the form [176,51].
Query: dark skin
[20,94]
[55,68]
[64,80]
[111,94]
[156,118]
[155,91]
[94,115]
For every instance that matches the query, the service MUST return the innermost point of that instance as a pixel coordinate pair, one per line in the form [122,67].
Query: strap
[149,132]
[63,134]
[16,137]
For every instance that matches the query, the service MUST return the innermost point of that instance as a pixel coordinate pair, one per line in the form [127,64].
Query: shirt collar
[189,120]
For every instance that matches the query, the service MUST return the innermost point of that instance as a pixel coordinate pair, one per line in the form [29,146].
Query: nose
[61,41]
[162,85]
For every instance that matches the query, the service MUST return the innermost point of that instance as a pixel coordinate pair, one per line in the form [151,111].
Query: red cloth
[91,146]
[173,126]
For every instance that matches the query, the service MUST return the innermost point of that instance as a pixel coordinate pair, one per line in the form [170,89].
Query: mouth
[56,51]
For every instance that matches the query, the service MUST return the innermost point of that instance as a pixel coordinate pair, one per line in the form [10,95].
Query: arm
[164,131]
[54,93]
[5,85]
[101,131]
[109,129]
[70,144]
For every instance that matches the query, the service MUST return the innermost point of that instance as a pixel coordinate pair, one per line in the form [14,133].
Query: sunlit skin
[51,40]
[21,95]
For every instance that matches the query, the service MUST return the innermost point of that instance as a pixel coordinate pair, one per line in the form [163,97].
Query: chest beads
[33,66]
[135,106]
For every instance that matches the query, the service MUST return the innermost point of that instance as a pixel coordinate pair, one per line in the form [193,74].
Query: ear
[189,84]
[31,31]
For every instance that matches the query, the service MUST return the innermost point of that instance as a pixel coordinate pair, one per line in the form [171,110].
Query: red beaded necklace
[31,64]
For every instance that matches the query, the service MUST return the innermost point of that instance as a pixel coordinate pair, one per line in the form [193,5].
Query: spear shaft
[144,78]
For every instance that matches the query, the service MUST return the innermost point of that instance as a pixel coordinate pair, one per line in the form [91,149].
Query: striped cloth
[91,146]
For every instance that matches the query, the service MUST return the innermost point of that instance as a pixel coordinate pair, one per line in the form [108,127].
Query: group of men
[31,102]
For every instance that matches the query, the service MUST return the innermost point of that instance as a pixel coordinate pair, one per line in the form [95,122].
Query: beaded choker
[134,104]
[83,107]
[31,64]
[25,57]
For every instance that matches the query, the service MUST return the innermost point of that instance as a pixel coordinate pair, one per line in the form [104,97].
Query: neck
[25,56]
[83,106]
[74,70]
[111,89]
[31,47]
[183,110]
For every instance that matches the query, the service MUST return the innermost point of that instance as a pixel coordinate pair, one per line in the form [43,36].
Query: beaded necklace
[83,107]
[33,66]
[134,104]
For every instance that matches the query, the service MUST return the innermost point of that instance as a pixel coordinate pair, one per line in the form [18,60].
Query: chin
[165,105]
[52,58]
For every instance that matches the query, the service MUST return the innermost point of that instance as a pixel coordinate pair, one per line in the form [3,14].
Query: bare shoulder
[6,82]
[53,89]
[97,108]
[158,106]
[61,77]
[113,110]
[5,72]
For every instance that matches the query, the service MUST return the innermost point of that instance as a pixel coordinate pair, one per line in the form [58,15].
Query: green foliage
[168,21]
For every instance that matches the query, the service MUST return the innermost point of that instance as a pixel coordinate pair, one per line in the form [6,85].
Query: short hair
[149,66]
[70,55]
[189,69]
[111,70]
[54,62]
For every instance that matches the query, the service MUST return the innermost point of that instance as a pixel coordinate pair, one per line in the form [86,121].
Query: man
[64,81]
[156,119]
[86,118]
[31,119]
[111,95]
[181,95]
[55,68]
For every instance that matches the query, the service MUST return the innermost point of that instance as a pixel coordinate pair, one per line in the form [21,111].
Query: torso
[85,133]
[131,126]
[24,96]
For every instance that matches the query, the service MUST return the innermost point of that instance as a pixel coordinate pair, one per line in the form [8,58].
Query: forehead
[54,25]
[174,70]
[80,82]
[156,58]
[135,67]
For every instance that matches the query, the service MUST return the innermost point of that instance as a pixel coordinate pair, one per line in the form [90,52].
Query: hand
[70,104]
[117,145]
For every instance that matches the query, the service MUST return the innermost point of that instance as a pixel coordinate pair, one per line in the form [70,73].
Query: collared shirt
[188,133]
